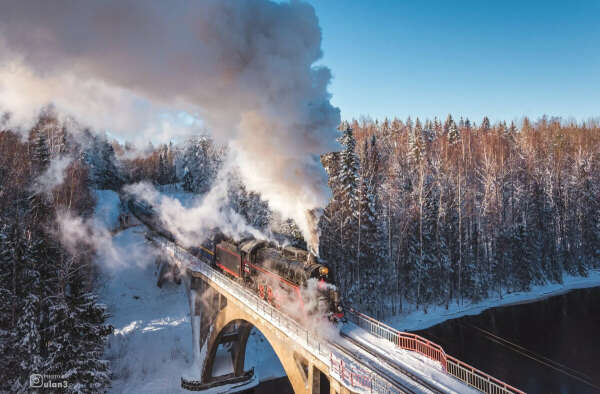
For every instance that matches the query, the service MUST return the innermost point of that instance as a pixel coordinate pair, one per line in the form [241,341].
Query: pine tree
[26,340]
[7,301]
[437,125]
[163,170]
[347,195]
[348,176]
[188,180]
[453,134]
[202,160]
[99,155]
[415,146]
[77,335]
[370,253]
[523,259]
[467,124]
[485,124]
[448,123]
[40,151]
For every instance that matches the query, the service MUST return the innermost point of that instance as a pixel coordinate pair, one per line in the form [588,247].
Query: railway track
[419,385]
[391,365]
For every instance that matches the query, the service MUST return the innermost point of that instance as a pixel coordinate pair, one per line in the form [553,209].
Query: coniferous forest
[422,214]
[50,319]
[430,213]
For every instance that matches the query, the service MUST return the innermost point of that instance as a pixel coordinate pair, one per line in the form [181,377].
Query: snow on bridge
[367,356]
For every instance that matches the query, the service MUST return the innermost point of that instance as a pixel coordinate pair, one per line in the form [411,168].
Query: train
[288,277]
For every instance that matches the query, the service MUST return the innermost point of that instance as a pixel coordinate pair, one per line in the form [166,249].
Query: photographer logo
[37,381]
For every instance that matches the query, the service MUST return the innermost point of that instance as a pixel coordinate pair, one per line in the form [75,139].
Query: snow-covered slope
[152,341]
[106,212]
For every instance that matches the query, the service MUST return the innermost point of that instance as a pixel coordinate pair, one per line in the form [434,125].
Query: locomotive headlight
[323,271]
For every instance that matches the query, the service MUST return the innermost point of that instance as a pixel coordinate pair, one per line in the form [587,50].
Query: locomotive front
[326,287]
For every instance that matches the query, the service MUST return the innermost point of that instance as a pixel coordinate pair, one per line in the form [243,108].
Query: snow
[152,347]
[418,319]
[260,354]
[107,208]
[152,342]
[430,370]
[223,364]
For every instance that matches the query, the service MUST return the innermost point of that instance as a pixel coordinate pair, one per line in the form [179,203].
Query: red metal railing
[460,370]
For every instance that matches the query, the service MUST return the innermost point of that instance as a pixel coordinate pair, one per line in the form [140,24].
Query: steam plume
[244,67]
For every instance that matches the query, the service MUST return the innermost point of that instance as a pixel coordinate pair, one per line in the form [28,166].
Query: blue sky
[505,59]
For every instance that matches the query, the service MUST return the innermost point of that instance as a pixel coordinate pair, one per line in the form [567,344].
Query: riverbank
[413,319]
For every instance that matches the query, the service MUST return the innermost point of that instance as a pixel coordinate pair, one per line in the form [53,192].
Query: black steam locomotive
[289,278]
[286,277]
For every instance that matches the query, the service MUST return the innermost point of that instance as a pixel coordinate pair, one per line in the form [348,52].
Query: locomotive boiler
[284,276]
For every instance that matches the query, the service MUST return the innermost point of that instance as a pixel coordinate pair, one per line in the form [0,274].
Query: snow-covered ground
[418,320]
[152,342]
[415,363]
[106,212]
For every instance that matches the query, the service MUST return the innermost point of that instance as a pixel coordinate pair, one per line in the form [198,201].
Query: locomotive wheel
[261,291]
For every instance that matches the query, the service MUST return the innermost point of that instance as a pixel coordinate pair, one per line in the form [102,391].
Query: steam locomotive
[290,278]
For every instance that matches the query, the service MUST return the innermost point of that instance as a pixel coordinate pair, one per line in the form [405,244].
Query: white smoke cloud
[244,67]
[192,224]
[76,232]
[53,176]
[24,93]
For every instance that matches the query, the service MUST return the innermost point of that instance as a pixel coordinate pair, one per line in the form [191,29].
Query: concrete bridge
[221,318]
[224,312]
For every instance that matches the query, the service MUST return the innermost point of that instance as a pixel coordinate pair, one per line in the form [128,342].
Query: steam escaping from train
[245,68]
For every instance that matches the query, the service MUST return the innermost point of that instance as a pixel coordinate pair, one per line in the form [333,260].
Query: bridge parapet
[350,373]
[460,370]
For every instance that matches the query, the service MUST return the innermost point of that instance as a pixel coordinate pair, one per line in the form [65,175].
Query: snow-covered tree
[453,134]
[77,336]
[188,180]
[7,300]
[348,174]
[99,155]
[485,124]
[346,194]
[26,340]
[370,250]
[201,159]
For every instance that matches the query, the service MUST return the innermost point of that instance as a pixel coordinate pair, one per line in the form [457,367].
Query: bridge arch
[224,320]
[233,324]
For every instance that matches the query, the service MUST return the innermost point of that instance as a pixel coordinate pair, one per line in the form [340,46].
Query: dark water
[548,346]
[275,386]
[544,347]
